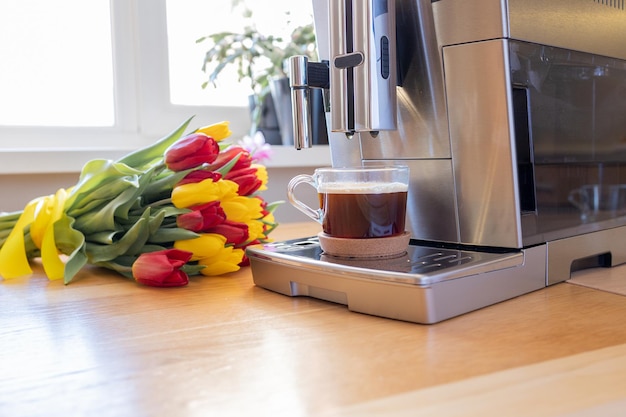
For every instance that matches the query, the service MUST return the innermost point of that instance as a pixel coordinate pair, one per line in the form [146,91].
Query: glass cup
[357,203]
[599,201]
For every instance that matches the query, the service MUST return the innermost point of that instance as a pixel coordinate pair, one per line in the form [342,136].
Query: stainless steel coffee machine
[511,115]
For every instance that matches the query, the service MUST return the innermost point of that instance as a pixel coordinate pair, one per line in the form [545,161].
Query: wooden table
[104,346]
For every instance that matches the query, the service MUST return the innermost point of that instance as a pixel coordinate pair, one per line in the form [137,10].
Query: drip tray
[424,285]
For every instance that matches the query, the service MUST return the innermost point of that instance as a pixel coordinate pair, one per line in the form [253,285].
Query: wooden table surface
[104,346]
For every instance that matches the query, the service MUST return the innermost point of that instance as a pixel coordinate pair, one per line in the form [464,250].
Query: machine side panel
[462,21]
[483,144]
[592,26]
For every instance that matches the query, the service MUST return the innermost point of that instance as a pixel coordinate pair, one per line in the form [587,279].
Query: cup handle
[578,199]
[316,215]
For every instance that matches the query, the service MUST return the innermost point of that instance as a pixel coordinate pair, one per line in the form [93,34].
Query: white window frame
[143,112]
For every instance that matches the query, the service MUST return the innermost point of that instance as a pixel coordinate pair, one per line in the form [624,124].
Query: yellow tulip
[13,259]
[225,261]
[269,218]
[206,245]
[261,173]
[255,230]
[195,193]
[218,131]
[52,264]
[40,214]
[242,209]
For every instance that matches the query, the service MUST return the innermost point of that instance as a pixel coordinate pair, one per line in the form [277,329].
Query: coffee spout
[304,75]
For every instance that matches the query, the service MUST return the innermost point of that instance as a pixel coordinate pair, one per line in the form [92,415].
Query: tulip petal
[193,194]
[162,268]
[223,262]
[218,131]
[52,264]
[70,242]
[203,246]
[154,152]
[242,209]
[13,259]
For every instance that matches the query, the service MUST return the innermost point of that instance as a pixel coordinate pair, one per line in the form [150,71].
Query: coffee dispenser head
[361,72]
[362,65]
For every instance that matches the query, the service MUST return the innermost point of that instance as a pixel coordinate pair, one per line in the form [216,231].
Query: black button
[384,57]
[349,60]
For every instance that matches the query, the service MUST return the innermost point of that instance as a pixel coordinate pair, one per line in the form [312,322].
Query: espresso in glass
[363,209]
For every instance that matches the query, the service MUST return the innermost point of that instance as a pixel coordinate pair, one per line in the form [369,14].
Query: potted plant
[260,59]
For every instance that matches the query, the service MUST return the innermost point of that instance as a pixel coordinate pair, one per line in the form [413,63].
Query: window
[96,75]
[45,59]
[186,56]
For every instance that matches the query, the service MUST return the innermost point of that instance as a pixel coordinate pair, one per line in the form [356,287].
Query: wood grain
[221,346]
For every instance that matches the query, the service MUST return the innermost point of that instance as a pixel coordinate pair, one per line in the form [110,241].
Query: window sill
[56,161]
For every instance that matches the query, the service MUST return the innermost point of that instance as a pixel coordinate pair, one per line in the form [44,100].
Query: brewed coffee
[363,210]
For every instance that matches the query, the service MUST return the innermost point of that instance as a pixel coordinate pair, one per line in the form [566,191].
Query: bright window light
[56,63]
[189,20]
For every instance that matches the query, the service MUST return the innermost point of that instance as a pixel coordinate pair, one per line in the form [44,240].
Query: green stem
[161,202]
[8,217]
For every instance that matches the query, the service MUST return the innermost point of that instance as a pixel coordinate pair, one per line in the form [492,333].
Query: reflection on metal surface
[511,119]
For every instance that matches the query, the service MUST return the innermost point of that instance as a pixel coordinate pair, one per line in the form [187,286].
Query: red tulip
[247,180]
[264,205]
[202,218]
[162,268]
[235,233]
[191,151]
[227,155]
[245,261]
[200,175]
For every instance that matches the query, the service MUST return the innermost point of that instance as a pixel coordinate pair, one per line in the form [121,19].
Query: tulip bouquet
[186,205]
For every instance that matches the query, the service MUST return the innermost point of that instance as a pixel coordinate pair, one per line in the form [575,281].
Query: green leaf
[122,265]
[96,175]
[192,269]
[169,211]
[122,209]
[104,219]
[172,235]
[102,253]
[105,237]
[227,167]
[70,242]
[162,187]
[271,207]
[136,247]
[150,154]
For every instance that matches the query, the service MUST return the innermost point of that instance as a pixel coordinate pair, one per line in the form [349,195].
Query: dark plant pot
[267,122]
[281,95]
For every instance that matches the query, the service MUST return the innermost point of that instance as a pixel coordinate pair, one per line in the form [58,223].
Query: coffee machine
[511,115]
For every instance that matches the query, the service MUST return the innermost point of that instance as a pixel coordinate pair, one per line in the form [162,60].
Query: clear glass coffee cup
[365,202]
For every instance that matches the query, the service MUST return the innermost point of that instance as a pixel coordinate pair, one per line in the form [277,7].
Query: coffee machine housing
[510,115]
